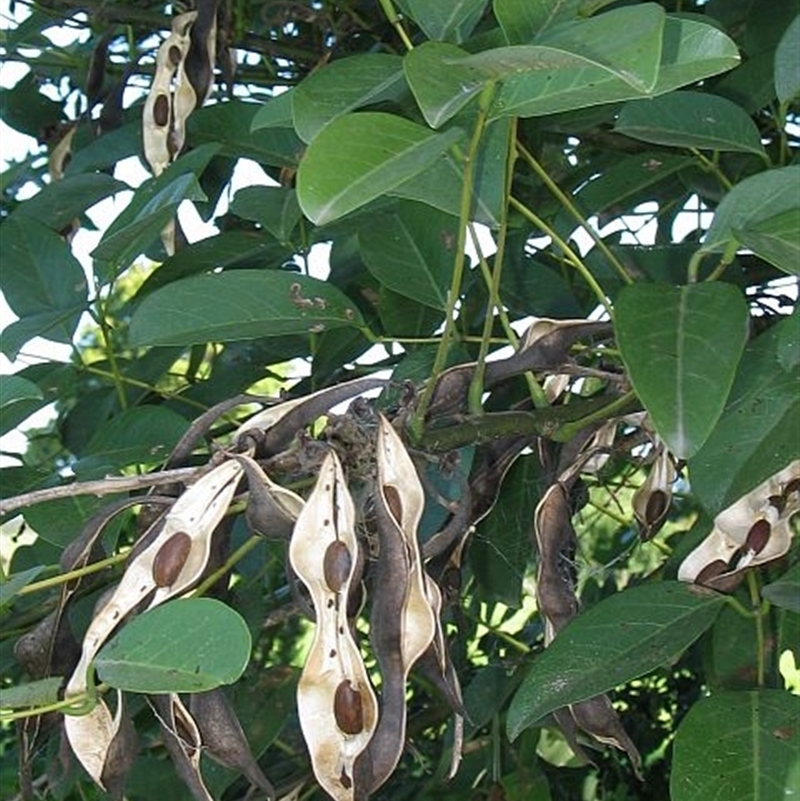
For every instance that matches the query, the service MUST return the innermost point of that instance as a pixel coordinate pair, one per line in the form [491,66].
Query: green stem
[74,705]
[568,430]
[238,554]
[568,252]
[396,22]
[712,167]
[758,615]
[418,420]
[565,201]
[108,347]
[63,578]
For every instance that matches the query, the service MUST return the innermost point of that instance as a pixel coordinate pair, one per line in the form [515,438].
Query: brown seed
[711,571]
[171,558]
[758,536]
[791,487]
[348,708]
[161,111]
[656,510]
[175,55]
[337,566]
[394,503]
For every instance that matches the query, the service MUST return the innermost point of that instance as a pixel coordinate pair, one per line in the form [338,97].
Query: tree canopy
[459,458]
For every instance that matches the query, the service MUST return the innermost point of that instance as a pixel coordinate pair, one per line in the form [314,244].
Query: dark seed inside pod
[348,708]
[655,512]
[337,566]
[171,558]
[711,571]
[161,111]
[175,55]
[758,536]
[393,502]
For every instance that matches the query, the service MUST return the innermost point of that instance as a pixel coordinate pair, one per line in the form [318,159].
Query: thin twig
[99,487]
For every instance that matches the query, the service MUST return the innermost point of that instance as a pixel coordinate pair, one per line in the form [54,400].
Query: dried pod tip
[394,503]
[337,565]
[758,536]
[348,708]
[171,558]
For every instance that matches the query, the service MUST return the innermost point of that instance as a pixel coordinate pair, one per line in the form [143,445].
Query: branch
[99,487]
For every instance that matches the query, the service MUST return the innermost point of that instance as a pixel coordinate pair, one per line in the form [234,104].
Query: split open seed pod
[336,705]
[652,500]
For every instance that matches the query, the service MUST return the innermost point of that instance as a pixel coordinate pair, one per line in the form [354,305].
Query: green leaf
[785,592]
[787,63]
[681,346]
[122,245]
[240,304]
[62,201]
[445,20]
[275,208]
[19,398]
[741,745]
[691,119]
[621,638]
[344,86]
[753,438]
[440,87]
[276,112]
[776,240]
[752,201]
[31,694]
[693,50]
[521,20]
[186,645]
[788,349]
[359,157]
[42,282]
[230,127]
[141,435]
[11,586]
[411,251]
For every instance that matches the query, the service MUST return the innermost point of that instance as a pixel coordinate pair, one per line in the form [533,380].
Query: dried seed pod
[196,513]
[170,559]
[335,725]
[652,500]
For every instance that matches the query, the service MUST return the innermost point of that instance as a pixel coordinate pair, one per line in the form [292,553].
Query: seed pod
[170,559]
[758,536]
[161,110]
[337,565]
[348,708]
[651,501]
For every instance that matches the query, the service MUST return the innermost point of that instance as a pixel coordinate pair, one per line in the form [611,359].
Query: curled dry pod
[170,559]
[652,500]
[336,705]
[337,565]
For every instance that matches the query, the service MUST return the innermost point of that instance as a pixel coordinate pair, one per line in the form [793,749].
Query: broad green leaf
[731,650]
[19,398]
[776,240]
[785,592]
[754,437]
[691,51]
[120,247]
[521,20]
[141,435]
[411,251]
[445,20]
[105,151]
[42,282]
[230,127]
[186,645]
[787,63]
[742,745]
[275,112]
[275,208]
[681,346]
[32,693]
[359,157]
[62,201]
[440,87]
[11,586]
[621,638]
[59,522]
[344,86]
[240,304]
[752,201]
[788,350]
[691,119]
